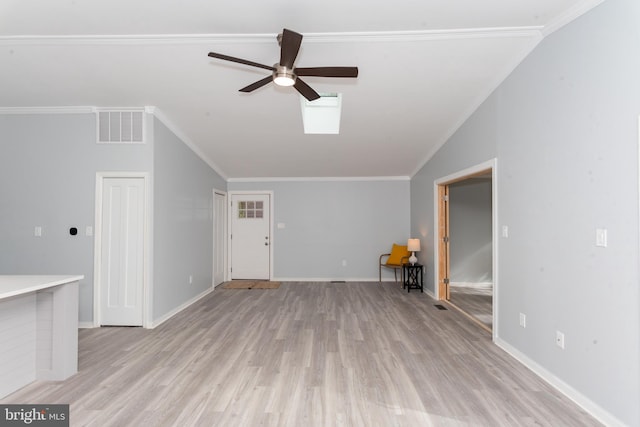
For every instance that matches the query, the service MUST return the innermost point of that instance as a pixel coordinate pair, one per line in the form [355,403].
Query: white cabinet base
[38,329]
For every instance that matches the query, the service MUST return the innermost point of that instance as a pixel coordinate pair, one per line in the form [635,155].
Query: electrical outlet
[523,320]
[505,231]
[190,280]
[560,339]
[37,231]
[344,262]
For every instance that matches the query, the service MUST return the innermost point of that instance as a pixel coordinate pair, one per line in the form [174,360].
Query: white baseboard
[581,400]
[473,284]
[86,325]
[169,315]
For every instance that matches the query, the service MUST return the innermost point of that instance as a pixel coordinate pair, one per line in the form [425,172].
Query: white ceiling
[425,65]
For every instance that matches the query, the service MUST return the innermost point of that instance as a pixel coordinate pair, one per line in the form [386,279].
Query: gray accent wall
[48,165]
[564,130]
[182,222]
[470,231]
[326,222]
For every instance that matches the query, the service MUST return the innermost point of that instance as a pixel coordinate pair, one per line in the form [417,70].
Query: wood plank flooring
[476,301]
[306,354]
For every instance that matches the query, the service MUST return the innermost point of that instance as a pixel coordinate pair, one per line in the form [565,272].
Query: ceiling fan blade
[327,71]
[239,61]
[258,84]
[289,47]
[305,90]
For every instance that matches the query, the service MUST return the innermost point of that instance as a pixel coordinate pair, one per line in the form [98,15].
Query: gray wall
[564,128]
[474,143]
[470,231]
[48,166]
[330,221]
[182,222]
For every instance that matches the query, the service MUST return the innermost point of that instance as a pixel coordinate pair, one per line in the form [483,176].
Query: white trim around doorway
[226,237]
[458,176]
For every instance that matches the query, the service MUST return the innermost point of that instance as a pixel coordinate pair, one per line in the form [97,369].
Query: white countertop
[11,286]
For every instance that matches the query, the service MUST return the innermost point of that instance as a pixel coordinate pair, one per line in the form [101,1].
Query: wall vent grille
[121,126]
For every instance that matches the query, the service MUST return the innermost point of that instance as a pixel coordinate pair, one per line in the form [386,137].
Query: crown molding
[47,110]
[571,14]
[424,35]
[321,179]
[369,36]
[157,113]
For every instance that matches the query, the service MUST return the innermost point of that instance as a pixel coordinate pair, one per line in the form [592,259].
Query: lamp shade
[413,245]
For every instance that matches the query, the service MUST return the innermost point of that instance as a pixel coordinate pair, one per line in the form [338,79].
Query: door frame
[230,195]
[462,175]
[444,252]
[146,245]
[225,241]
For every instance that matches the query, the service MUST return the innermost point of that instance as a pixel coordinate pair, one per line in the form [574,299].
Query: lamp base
[412,258]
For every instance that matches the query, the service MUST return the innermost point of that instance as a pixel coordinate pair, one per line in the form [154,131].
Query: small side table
[413,277]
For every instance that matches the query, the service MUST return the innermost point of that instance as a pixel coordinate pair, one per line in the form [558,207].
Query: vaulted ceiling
[425,66]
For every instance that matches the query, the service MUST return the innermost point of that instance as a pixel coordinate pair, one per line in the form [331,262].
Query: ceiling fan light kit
[282,76]
[284,73]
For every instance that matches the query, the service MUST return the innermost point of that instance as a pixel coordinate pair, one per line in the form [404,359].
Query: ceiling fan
[284,73]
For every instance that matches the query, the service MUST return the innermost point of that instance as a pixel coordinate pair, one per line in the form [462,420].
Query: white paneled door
[219,237]
[122,252]
[250,236]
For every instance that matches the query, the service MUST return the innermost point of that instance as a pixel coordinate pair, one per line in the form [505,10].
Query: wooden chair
[399,255]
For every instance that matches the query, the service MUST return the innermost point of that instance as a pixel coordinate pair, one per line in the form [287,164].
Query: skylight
[322,116]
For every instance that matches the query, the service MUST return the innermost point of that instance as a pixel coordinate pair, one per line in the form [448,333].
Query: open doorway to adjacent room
[466,244]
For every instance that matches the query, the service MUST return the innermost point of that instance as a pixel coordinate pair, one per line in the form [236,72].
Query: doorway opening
[466,244]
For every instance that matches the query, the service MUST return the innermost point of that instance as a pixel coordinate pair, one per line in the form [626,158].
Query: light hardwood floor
[306,354]
[476,301]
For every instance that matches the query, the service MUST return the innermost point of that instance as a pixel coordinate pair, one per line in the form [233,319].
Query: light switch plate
[601,237]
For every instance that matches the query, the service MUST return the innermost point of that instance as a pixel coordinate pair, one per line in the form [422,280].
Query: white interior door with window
[250,236]
[219,237]
[121,251]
